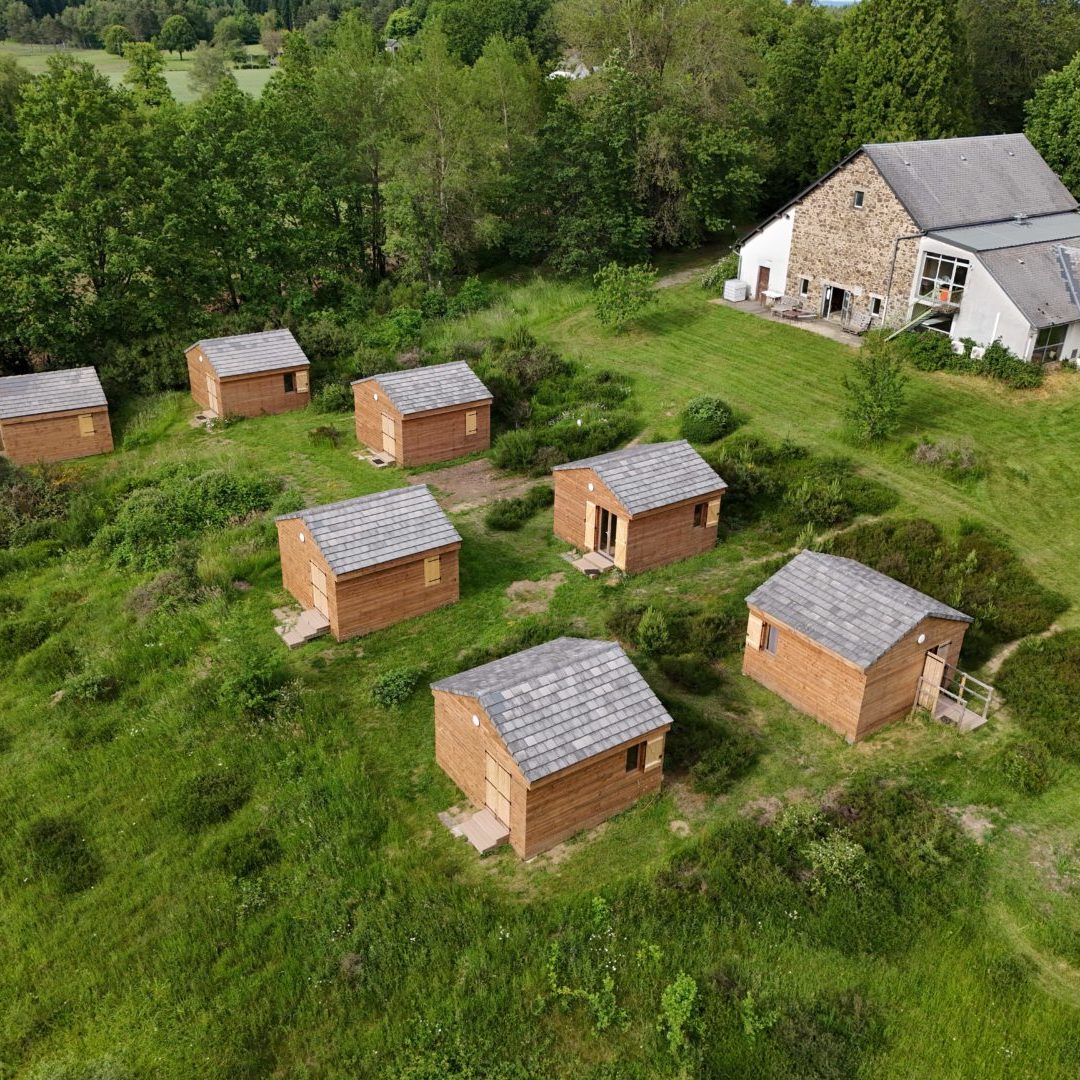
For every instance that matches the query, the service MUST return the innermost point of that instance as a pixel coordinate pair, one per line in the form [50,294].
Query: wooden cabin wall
[296,560]
[809,677]
[55,437]
[439,435]
[263,394]
[571,494]
[199,370]
[668,535]
[369,414]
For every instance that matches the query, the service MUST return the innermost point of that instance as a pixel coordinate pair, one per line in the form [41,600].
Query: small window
[772,638]
[860,198]
[875,306]
[634,757]
[701,515]
[804,286]
[290,382]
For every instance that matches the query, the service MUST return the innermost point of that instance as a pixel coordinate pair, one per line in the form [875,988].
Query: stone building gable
[833,242]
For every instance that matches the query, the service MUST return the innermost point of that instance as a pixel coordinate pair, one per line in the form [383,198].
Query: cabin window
[290,383]
[86,424]
[1048,344]
[433,570]
[804,287]
[859,199]
[470,422]
[771,638]
[635,757]
[943,278]
[875,306]
[701,515]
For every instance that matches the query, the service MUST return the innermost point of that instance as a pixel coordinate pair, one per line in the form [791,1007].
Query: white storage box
[736,290]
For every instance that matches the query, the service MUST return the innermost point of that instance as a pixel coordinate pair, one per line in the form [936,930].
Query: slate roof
[374,529]
[50,392]
[652,475]
[1042,280]
[563,702]
[851,610]
[945,183]
[435,387]
[1012,233]
[251,354]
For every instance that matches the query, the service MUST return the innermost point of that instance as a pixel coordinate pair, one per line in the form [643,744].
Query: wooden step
[484,831]
[299,630]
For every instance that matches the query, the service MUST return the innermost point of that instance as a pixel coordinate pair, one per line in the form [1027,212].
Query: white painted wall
[772,248]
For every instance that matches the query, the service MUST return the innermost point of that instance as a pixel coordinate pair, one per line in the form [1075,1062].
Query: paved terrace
[821,327]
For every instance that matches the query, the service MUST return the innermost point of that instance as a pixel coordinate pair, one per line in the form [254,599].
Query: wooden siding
[652,539]
[262,394]
[56,436]
[369,416]
[369,599]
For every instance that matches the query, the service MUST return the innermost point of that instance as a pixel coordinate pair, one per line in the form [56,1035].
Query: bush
[690,672]
[621,293]
[875,385]
[1041,684]
[396,685]
[508,515]
[724,269]
[171,588]
[326,435]
[653,635]
[249,678]
[733,752]
[91,685]
[957,460]
[58,850]
[1027,766]
[706,419]
[332,397]
[210,798]
[929,351]
[249,853]
[473,295]
[818,500]
[22,634]
[30,499]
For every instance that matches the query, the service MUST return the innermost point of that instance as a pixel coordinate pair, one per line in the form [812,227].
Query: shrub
[929,351]
[21,634]
[508,515]
[724,269]
[730,755]
[332,397]
[706,419]
[957,460]
[30,499]
[396,685]
[835,862]
[91,685]
[818,500]
[171,588]
[926,350]
[690,672]
[59,850]
[473,295]
[249,853]
[249,678]
[875,385]
[1041,684]
[1027,766]
[210,797]
[326,435]
[399,329]
[653,635]
[621,293]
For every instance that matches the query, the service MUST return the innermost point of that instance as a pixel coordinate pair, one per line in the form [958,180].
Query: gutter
[892,270]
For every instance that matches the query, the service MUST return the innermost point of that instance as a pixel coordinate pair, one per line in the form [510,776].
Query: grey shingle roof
[652,475]
[374,529]
[436,387]
[251,354]
[1042,280]
[50,392]
[852,610]
[561,703]
[1011,233]
[944,183]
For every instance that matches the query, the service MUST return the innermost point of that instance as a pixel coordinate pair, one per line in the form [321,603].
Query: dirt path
[1003,654]
[475,483]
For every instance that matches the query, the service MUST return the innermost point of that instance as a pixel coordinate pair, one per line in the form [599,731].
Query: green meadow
[221,859]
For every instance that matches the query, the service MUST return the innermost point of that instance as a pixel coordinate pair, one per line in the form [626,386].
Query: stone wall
[835,243]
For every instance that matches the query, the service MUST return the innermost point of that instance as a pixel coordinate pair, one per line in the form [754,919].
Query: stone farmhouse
[974,237]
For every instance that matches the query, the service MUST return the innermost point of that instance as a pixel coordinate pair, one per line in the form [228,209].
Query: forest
[364,180]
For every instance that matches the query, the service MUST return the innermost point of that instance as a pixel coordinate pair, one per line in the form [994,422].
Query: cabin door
[762,284]
[318,591]
[933,676]
[607,532]
[389,440]
[213,396]
[497,789]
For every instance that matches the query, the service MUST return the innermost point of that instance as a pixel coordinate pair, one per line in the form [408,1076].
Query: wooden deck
[482,829]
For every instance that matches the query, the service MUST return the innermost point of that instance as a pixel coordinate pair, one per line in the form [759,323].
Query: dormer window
[859,199]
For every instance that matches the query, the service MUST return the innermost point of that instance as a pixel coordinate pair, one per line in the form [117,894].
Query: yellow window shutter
[433,570]
[590,525]
[753,631]
[654,752]
[620,542]
[714,513]
[470,422]
[302,382]
[86,424]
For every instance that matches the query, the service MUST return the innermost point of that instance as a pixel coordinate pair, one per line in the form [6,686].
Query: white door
[318,591]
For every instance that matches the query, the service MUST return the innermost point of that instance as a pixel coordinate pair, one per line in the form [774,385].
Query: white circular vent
[475,720]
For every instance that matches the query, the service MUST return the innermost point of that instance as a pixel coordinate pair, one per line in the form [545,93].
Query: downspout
[892,271]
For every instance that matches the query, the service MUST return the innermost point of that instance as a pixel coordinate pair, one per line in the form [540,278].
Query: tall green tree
[146,73]
[177,35]
[900,71]
[209,69]
[1053,123]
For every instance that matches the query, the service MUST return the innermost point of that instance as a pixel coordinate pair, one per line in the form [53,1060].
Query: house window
[804,287]
[860,198]
[943,278]
[635,757]
[772,638]
[875,306]
[290,382]
[1049,343]
[701,515]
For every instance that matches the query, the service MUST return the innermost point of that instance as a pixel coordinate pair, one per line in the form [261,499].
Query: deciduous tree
[1053,123]
[177,35]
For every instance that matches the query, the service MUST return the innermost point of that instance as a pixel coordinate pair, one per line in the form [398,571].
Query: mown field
[35,57]
[253,880]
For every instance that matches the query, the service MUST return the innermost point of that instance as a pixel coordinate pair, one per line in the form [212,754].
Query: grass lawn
[35,57]
[322,923]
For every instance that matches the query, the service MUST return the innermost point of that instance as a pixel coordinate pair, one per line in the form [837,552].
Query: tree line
[128,220]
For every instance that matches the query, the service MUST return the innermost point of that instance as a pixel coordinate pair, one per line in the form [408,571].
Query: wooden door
[762,283]
[318,590]
[590,526]
[933,676]
[389,436]
[212,395]
[497,789]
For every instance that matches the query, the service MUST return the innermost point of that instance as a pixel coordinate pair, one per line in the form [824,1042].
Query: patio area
[821,327]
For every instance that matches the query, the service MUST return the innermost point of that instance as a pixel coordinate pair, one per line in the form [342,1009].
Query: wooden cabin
[249,374]
[551,740]
[640,507]
[369,562]
[53,416]
[423,415]
[846,644]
